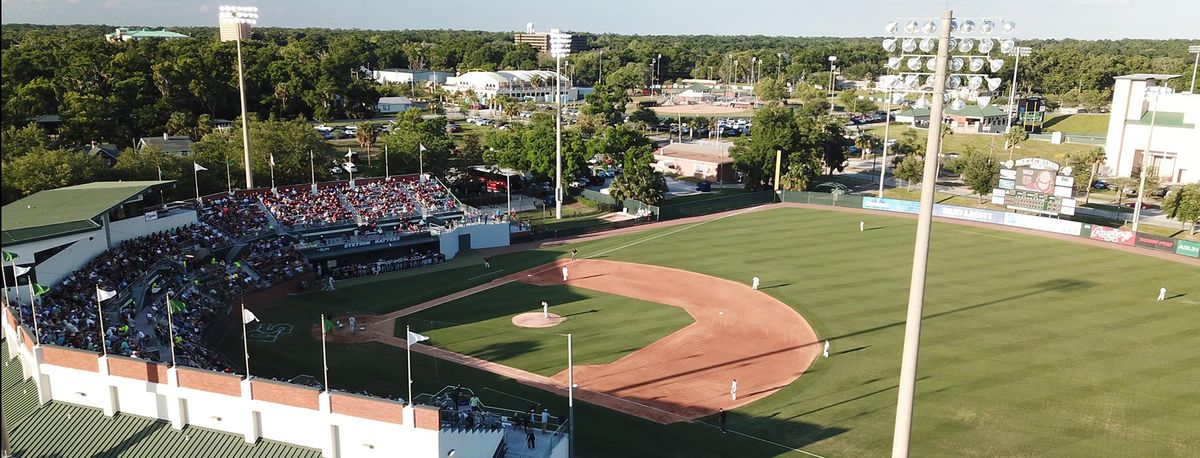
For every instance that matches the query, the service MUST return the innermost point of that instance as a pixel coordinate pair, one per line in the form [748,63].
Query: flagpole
[4,278]
[245,343]
[228,179]
[171,329]
[37,333]
[272,171]
[324,355]
[196,179]
[100,315]
[312,168]
[408,345]
[386,170]
[421,163]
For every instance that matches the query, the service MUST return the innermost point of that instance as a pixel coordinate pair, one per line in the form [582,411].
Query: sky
[1080,19]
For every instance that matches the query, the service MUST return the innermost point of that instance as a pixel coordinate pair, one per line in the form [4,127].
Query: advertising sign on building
[1155,242]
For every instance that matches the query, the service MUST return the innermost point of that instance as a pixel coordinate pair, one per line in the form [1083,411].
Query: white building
[518,84]
[1174,141]
[406,76]
[391,105]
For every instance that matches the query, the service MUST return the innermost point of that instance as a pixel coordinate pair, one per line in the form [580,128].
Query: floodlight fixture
[892,27]
[927,44]
[987,26]
[956,64]
[954,82]
[965,45]
[993,83]
[996,64]
[976,64]
[893,63]
[985,45]
[931,64]
[1007,27]
[957,104]
[967,26]
[889,44]
[929,28]
[914,63]
[975,82]
[909,45]
[832,59]
[911,27]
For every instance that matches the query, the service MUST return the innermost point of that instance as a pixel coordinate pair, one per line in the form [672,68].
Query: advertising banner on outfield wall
[1112,235]
[1058,226]
[969,214]
[891,205]
[1187,248]
[1155,242]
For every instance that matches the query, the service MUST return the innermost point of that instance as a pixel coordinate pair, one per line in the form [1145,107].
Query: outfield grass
[1082,124]
[606,327]
[1030,346]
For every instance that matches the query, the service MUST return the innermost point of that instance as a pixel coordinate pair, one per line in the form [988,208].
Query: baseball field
[1031,346]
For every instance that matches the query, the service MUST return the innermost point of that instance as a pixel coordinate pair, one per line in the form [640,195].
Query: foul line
[676,231]
[991,235]
[489,273]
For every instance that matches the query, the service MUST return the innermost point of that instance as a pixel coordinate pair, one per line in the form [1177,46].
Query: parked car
[704,186]
[347,166]
[453,128]
[1161,192]
[1145,205]
[1100,184]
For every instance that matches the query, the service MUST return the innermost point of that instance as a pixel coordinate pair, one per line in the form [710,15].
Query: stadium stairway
[516,447]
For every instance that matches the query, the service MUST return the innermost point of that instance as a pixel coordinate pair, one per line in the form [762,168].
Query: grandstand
[199,259]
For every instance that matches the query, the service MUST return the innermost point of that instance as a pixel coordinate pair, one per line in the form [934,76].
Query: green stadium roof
[1164,119]
[64,430]
[68,210]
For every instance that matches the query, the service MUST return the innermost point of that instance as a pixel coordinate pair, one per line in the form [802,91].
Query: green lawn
[1030,346]
[1082,124]
[605,326]
[993,144]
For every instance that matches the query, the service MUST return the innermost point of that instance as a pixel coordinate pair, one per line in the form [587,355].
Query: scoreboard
[1035,185]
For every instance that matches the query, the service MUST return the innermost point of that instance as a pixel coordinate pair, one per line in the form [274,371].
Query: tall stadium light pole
[235,22]
[1194,50]
[1137,207]
[916,293]
[560,47]
[832,59]
[887,123]
[1012,91]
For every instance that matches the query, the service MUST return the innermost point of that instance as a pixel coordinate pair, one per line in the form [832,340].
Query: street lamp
[657,75]
[1194,50]
[832,59]
[235,22]
[1017,51]
[943,72]
[560,47]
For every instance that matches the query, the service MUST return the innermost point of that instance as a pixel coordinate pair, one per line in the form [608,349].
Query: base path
[738,334]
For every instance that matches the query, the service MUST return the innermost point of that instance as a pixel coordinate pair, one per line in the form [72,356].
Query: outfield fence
[714,205]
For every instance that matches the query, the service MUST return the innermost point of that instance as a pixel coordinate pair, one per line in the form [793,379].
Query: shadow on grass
[501,351]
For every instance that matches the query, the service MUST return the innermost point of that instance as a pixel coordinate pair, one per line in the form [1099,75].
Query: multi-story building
[1149,116]
[541,40]
[519,84]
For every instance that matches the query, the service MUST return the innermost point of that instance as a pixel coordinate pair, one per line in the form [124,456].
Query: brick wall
[137,369]
[213,382]
[285,393]
[369,408]
[426,417]
[71,357]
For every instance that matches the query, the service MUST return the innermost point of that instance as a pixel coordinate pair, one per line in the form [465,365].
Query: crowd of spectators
[382,199]
[275,259]
[67,315]
[414,259]
[240,215]
[203,288]
[300,207]
[433,196]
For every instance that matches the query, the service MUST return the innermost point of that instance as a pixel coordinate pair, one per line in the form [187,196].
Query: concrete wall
[482,236]
[340,425]
[132,228]
[1176,150]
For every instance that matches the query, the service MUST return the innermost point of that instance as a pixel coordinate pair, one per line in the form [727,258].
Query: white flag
[198,167]
[414,338]
[271,158]
[102,295]
[423,147]
[20,270]
[248,316]
[349,152]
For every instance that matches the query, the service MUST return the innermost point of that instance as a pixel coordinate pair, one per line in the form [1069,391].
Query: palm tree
[1014,137]
[366,136]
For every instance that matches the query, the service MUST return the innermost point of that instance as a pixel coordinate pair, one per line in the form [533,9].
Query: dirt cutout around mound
[738,333]
[536,320]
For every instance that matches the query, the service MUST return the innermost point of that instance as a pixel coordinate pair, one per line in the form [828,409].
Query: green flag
[176,305]
[232,163]
[327,325]
[39,289]
[9,256]
[237,264]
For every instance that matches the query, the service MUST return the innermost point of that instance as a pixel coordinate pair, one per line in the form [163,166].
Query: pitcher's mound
[536,320]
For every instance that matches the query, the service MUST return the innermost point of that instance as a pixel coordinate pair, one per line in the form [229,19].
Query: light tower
[560,47]
[235,22]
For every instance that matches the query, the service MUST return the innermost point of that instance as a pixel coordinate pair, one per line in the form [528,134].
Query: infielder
[826,352]
[545,310]
[754,282]
[1162,293]
[564,274]
[861,226]
[733,390]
